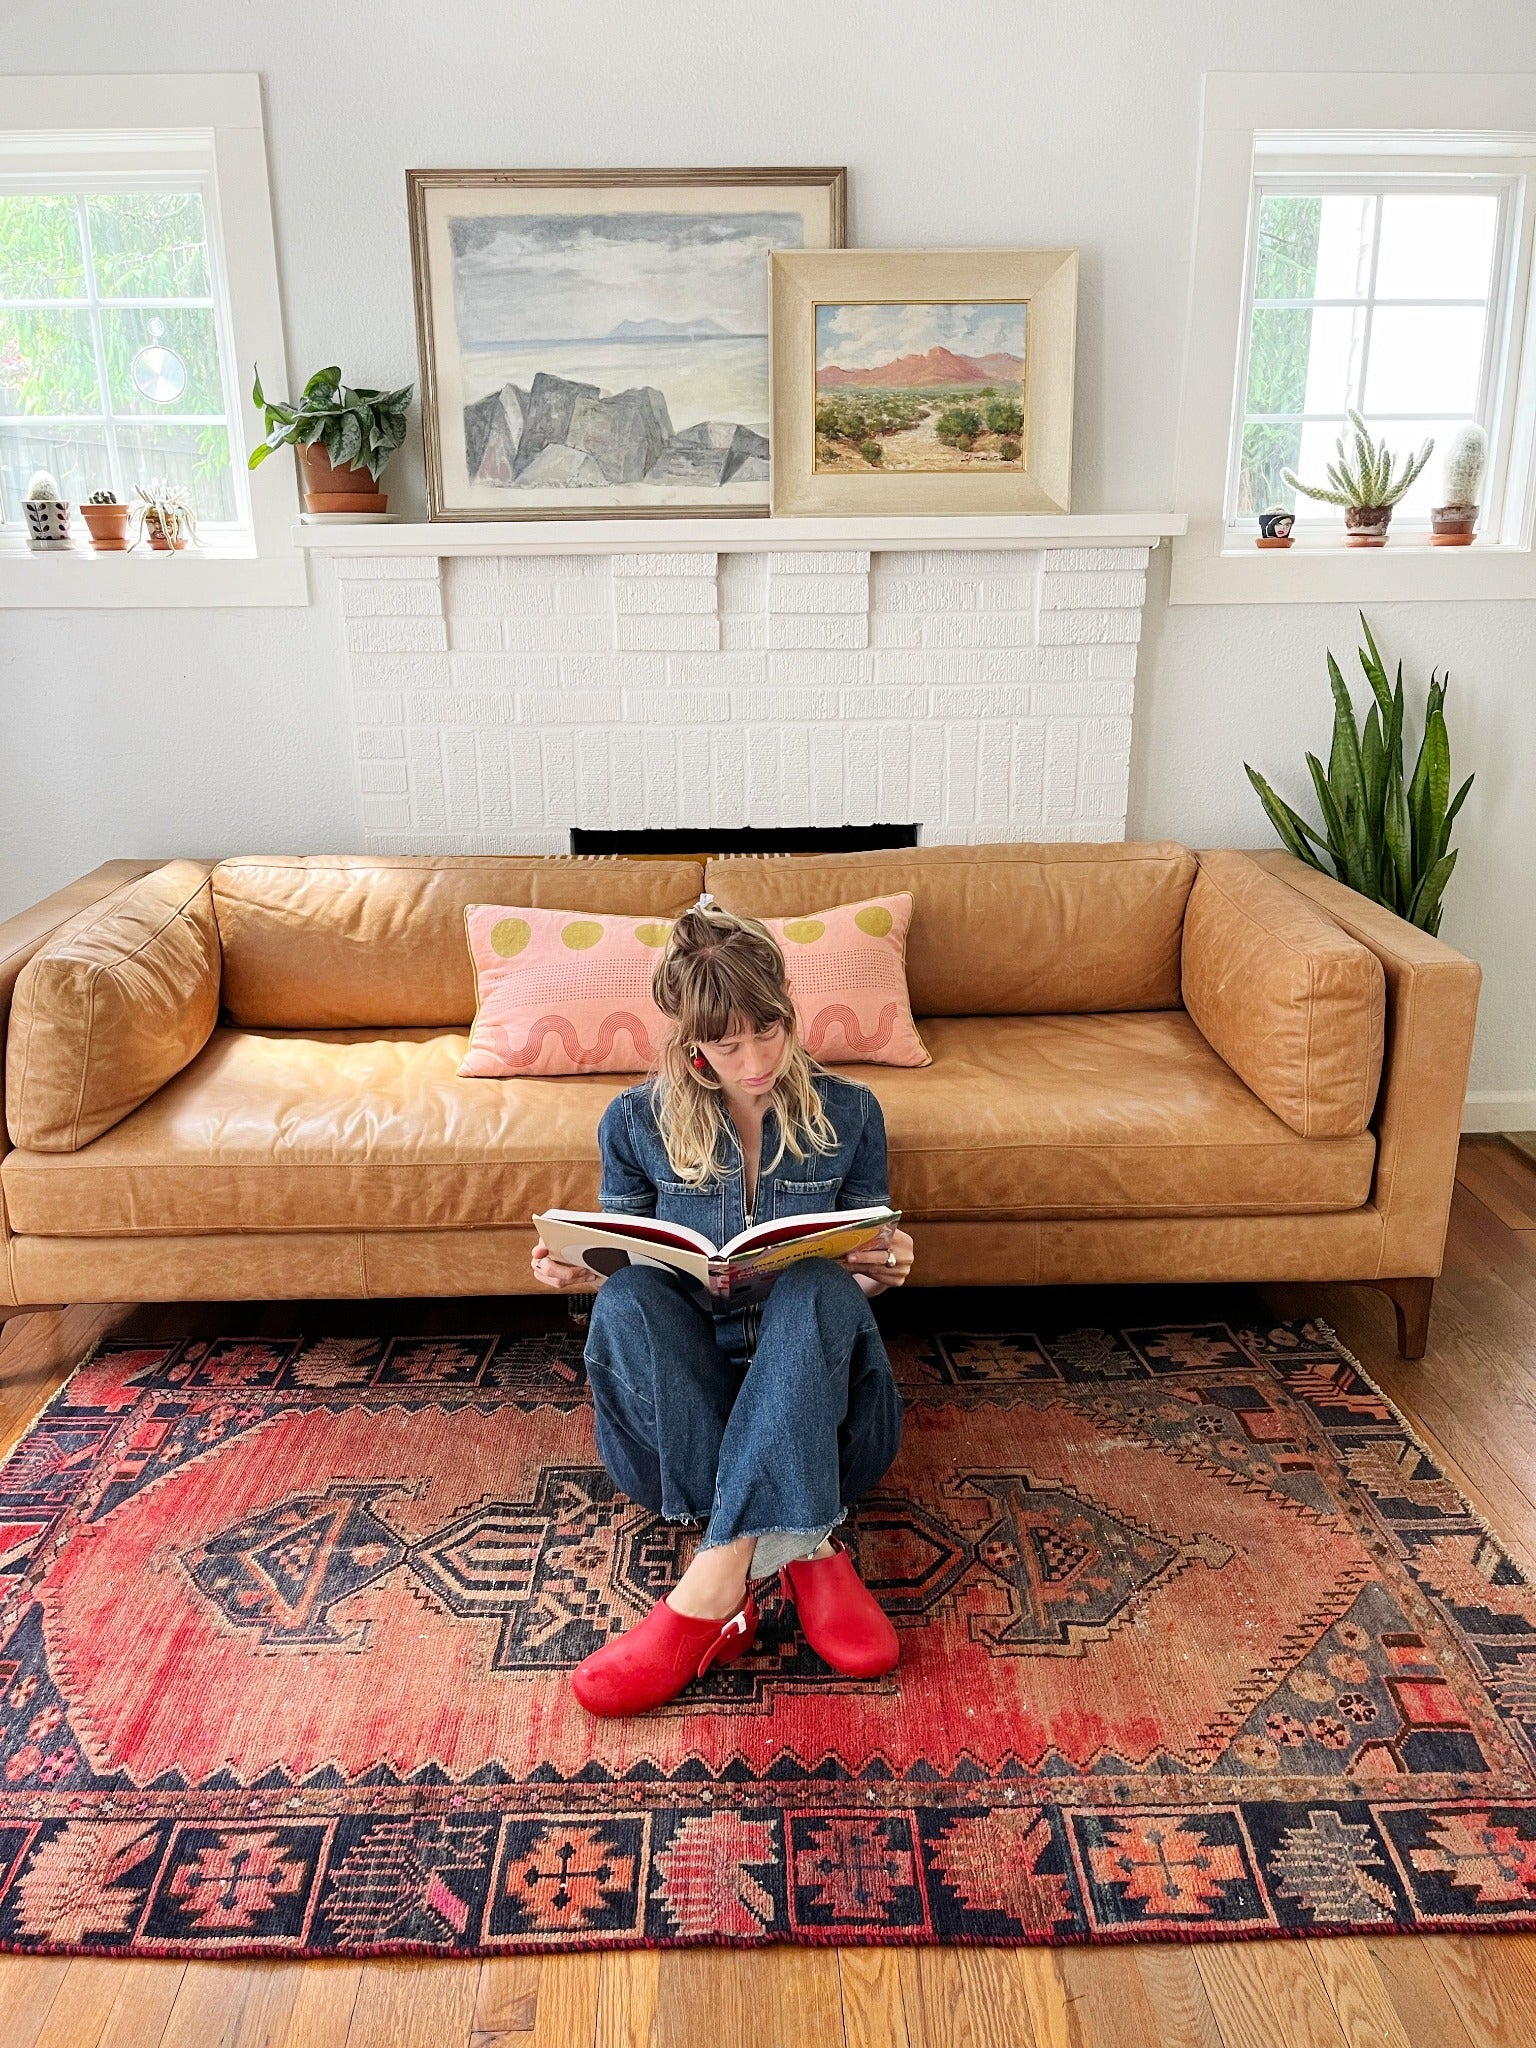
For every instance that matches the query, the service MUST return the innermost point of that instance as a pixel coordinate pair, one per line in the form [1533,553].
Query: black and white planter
[47,524]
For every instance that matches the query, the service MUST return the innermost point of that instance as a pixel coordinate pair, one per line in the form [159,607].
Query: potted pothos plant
[343,435]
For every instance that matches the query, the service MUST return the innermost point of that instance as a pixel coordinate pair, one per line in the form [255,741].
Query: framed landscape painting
[595,343]
[923,380]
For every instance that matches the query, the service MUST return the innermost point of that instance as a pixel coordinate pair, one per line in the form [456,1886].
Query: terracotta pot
[1451,526]
[329,489]
[109,527]
[1274,540]
[1365,526]
[159,541]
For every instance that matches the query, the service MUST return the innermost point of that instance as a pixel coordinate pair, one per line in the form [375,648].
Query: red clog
[651,1663]
[839,1616]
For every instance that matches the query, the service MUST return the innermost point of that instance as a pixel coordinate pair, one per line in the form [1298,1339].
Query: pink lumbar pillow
[563,992]
[847,970]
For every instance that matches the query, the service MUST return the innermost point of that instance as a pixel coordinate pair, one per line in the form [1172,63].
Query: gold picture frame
[664,274]
[868,420]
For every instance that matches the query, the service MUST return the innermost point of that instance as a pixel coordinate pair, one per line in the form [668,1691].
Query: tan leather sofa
[239,1081]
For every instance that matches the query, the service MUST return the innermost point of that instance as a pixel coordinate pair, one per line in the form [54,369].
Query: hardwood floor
[1472,1397]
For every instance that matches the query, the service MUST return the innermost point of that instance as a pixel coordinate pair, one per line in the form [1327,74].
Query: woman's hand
[567,1279]
[872,1268]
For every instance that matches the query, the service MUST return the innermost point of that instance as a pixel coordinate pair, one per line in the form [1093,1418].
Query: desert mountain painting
[921,387]
[939,369]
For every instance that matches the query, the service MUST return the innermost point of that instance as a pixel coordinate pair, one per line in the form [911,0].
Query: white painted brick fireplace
[501,697]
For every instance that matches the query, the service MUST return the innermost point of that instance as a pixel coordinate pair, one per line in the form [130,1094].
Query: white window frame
[1506,186]
[1261,130]
[94,132]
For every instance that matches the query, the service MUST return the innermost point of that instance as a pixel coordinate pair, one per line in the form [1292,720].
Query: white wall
[986,122]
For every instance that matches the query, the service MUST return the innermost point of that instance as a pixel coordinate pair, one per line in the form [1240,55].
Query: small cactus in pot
[1452,524]
[107,521]
[1366,478]
[47,515]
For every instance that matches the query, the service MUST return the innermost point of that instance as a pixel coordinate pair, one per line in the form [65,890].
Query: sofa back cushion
[1292,1003]
[330,941]
[1001,931]
[121,999]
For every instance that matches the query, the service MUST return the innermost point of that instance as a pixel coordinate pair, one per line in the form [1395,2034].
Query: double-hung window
[1387,294]
[137,287]
[115,362]
[1363,244]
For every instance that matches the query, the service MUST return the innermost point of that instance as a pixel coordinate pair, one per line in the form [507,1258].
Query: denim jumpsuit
[762,1421]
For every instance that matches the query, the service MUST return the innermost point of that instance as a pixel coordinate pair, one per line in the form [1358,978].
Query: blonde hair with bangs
[717,972]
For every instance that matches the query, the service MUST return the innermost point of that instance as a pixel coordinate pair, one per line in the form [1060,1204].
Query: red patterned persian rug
[1196,1642]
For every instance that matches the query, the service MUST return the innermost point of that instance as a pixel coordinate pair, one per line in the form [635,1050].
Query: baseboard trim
[1485,1111]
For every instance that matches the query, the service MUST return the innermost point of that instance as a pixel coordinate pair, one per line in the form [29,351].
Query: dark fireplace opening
[710,841]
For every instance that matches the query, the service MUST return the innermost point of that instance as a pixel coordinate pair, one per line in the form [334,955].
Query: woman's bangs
[723,1002]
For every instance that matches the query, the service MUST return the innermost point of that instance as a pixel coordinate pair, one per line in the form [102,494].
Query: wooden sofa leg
[1411,1300]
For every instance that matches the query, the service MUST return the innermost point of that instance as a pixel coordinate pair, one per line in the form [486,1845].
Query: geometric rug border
[839,1870]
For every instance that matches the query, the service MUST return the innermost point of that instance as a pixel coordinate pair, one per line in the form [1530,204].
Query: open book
[742,1270]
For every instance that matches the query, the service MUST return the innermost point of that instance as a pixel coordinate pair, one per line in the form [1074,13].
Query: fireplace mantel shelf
[737,536]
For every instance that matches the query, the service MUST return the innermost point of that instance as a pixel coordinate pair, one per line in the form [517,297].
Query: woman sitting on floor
[759,1425]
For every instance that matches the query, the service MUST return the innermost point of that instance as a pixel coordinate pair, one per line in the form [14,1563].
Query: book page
[749,1274]
[784,1228]
[605,1243]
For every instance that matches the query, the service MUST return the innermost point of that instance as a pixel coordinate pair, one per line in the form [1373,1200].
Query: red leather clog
[652,1662]
[840,1617]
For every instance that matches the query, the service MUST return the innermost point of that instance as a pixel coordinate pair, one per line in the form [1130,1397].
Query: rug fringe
[53,1399]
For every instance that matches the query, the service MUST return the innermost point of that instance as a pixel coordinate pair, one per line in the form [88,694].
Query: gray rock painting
[566,434]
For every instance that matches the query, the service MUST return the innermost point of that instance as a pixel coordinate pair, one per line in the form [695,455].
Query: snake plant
[1390,842]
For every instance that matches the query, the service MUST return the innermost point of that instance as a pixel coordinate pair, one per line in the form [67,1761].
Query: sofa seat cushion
[1120,1115]
[326,1130]
[1018,1117]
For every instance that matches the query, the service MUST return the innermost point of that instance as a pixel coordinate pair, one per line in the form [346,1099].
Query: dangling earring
[697,1061]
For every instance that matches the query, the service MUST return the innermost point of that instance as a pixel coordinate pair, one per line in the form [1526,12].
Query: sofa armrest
[1431,1016]
[20,937]
[114,1006]
[1293,1003]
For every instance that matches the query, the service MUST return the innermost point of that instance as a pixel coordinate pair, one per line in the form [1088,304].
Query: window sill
[143,579]
[1208,569]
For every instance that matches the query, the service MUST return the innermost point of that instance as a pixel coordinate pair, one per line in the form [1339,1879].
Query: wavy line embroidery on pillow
[564,1028]
[838,1016]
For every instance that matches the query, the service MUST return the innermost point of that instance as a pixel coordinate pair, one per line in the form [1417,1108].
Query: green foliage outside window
[141,245]
[1280,343]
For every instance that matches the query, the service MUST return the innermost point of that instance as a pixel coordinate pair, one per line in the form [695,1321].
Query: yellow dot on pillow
[585,932]
[652,934]
[510,936]
[804,930]
[875,919]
